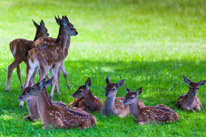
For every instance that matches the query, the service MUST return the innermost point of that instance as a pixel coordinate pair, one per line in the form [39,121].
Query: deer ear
[58,20]
[186,80]
[120,83]
[127,89]
[48,82]
[139,91]
[88,83]
[107,79]
[35,24]
[42,25]
[201,83]
[64,21]
[42,83]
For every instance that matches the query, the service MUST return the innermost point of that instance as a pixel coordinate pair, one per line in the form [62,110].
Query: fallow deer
[50,55]
[148,114]
[92,103]
[190,101]
[56,116]
[114,105]
[32,105]
[20,48]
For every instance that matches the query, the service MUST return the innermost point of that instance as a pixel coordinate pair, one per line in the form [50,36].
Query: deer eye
[131,97]
[113,89]
[80,91]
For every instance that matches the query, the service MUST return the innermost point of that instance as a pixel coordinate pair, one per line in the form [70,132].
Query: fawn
[148,114]
[20,48]
[45,41]
[50,55]
[114,105]
[190,101]
[32,105]
[83,93]
[57,116]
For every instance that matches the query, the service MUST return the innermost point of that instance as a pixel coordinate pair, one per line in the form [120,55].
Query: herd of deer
[47,54]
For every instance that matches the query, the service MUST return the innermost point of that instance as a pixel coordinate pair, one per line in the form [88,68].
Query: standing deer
[19,49]
[190,101]
[114,105]
[50,55]
[32,105]
[92,103]
[57,116]
[148,114]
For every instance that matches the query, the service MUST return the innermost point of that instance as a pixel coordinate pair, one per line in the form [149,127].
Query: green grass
[150,43]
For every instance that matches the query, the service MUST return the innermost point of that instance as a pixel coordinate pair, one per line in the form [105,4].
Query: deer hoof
[68,86]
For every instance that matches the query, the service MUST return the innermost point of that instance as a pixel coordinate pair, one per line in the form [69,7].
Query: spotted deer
[190,101]
[50,55]
[114,105]
[92,103]
[45,41]
[148,114]
[57,116]
[19,49]
[32,105]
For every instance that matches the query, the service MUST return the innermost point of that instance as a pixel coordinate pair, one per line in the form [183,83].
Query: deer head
[68,27]
[34,90]
[111,88]
[193,86]
[83,90]
[131,97]
[41,30]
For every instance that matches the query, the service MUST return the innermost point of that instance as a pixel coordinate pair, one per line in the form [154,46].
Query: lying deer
[114,105]
[50,55]
[92,103]
[57,116]
[190,101]
[32,105]
[19,49]
[148,114]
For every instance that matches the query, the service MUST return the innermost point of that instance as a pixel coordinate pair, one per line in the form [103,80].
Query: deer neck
[109,103]
[67,47]
[43,102]
[89,99]
[190,98]
[62,38]
[134,109]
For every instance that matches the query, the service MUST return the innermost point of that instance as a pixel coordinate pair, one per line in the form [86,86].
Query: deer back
[159,113]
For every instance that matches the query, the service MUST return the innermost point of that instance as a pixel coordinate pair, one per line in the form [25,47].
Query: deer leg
[65,74]
[29,118]
[11,67]
[31,82]
[56,68]
[19,76]
[58,78]
[29,73]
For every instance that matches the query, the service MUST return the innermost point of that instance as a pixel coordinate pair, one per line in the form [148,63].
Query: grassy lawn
[150,43]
